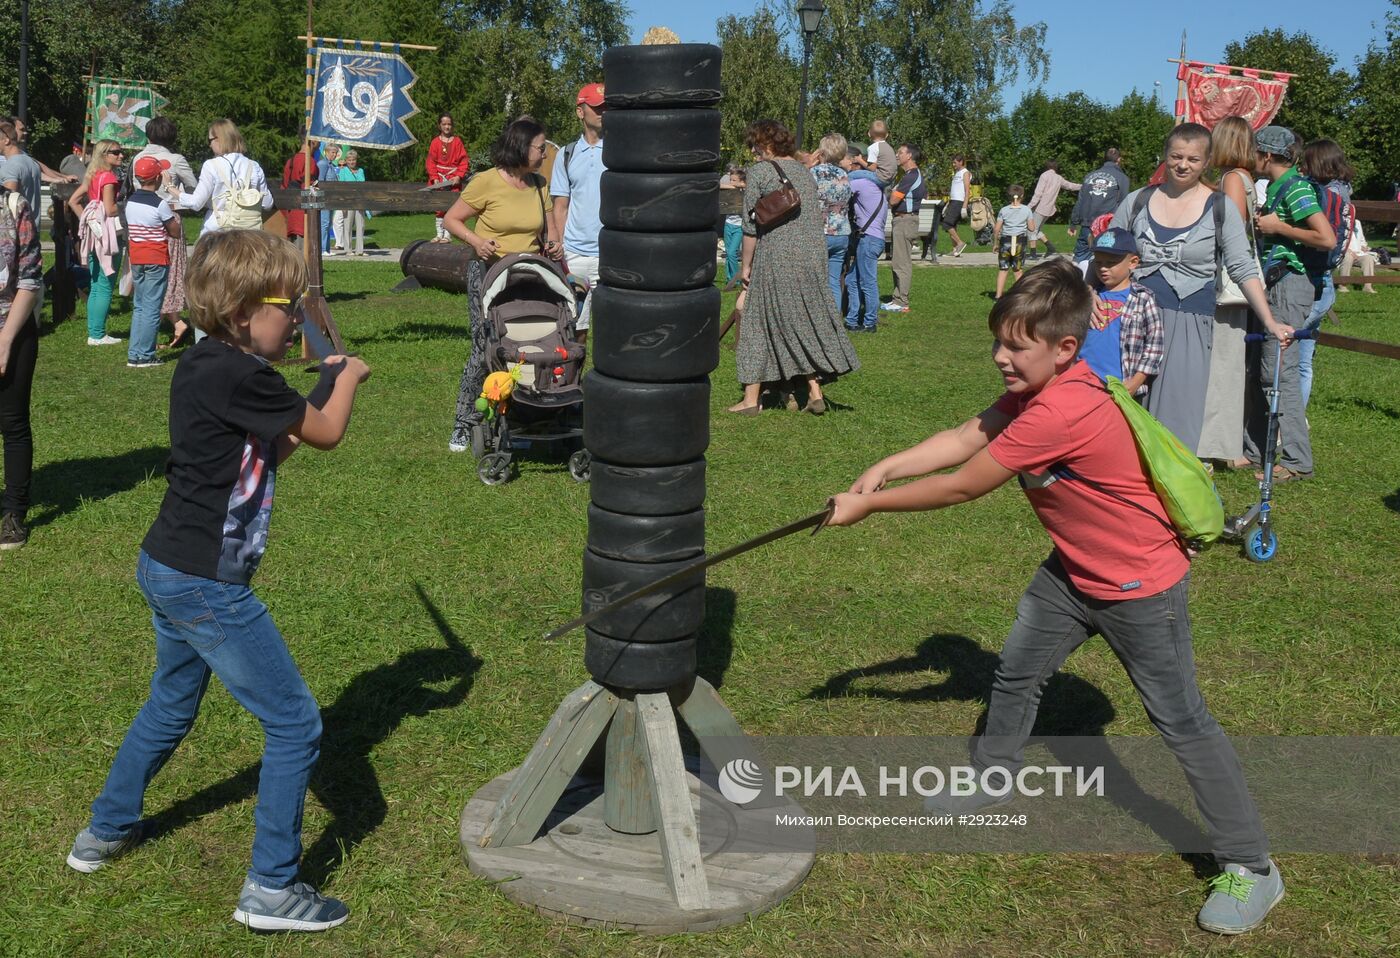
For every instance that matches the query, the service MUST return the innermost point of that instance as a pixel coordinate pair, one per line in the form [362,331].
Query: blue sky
[1107,49]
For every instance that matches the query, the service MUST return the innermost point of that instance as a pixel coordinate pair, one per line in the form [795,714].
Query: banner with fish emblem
[119,109]
[362,99]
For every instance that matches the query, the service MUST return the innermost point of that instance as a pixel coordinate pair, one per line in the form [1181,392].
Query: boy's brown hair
[1051,301]
[1016,191]
[232,271]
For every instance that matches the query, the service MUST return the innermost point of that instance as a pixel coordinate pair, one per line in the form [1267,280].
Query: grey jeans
[1290,300]
[905,233]
[1152,638]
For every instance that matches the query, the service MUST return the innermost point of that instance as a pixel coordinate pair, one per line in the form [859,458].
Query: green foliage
[1375,120]
[1318,95]
[760,79]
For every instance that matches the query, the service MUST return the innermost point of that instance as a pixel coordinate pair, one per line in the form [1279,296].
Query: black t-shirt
[227,408]
[911,184]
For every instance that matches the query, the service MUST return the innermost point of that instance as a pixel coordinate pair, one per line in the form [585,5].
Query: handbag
[776,208]
[1227,292]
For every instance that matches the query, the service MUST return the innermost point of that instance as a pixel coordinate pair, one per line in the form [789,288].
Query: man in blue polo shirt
[574,184]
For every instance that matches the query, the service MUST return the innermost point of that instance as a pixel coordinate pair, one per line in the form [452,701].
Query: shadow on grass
[1069,706]
[60,487]
[363,716]
[417,332]
[1392,501]
[715,647]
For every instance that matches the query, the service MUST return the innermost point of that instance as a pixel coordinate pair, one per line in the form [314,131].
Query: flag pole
[1180,82]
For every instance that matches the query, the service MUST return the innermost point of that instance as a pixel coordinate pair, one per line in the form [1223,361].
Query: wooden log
[539,782]
[1380,279]
[680,836]
[1371,348]
[1377,211]
[370,195]
[627,798]
[439,265]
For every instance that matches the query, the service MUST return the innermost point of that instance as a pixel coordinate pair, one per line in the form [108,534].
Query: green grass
[1305,645]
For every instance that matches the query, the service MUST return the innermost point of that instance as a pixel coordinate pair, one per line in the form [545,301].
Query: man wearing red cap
[149,223]
[574,185]
[447,165]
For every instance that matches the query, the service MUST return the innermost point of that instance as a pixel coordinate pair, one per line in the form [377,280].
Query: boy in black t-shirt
[233,421]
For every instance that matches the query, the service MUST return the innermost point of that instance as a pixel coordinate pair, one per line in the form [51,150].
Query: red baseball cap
[591,93]
[148,168]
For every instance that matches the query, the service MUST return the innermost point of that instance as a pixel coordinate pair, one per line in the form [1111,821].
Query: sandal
[745,410]
[1284,474]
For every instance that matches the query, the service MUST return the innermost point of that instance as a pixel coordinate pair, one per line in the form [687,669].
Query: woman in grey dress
[792,329]
[1174,225]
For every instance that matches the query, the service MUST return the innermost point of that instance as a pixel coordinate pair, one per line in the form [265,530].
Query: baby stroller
[532,389]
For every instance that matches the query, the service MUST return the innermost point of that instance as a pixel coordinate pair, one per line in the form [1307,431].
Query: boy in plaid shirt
[1125,330]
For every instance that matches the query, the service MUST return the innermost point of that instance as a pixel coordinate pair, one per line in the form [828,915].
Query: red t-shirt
[1109,549]
[100,180]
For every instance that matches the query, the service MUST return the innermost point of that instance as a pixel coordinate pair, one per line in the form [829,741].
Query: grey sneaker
[90,853]
[1240,899]
[13,534]
[298,907]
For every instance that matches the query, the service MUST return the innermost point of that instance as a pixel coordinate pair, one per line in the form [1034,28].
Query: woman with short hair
[1174,225]
[353,238]
[834,192]
[222,173]
[511,205]
[792,329]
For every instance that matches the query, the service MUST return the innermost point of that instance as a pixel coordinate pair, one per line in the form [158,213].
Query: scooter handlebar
[1297,334]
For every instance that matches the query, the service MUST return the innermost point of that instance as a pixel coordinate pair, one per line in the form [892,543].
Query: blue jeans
[326,216]
[1082,252]
[861,283]
[148,292]
[100,288]
[733,248]
[1151,636]
[202,626]
[836,247]
[1306,347]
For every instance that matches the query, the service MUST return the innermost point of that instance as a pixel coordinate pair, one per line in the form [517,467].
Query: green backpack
[1177,476]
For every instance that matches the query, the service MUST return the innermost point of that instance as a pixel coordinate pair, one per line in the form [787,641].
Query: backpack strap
[1140,204]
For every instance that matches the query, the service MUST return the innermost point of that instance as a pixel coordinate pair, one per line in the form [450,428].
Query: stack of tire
[646,419]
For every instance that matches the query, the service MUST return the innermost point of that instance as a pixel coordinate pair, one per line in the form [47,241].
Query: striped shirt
[1294,200]
[146,216]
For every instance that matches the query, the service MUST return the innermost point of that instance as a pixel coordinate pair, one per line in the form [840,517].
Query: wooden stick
[126,80]
[1388,350]
[1229,69]
[375,45]
[1180,104]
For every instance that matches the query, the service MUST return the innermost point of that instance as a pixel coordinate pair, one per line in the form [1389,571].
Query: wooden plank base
[583,872]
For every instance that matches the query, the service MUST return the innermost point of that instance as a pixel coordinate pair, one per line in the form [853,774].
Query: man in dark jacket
[1101,193]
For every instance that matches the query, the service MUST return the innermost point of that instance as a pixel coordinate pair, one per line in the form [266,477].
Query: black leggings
[15,388]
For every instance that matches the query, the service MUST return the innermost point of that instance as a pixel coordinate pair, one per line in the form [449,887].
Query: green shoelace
[1236,886]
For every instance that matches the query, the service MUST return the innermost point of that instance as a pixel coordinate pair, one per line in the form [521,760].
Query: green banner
[119,109]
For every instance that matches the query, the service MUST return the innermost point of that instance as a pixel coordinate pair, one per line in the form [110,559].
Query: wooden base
[585,873]
[646,826]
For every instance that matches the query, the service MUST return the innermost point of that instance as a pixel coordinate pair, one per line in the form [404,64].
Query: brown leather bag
[776,208]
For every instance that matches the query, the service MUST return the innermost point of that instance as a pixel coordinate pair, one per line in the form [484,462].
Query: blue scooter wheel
[1261,546]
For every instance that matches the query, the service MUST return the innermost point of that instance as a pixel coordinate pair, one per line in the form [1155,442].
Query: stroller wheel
[1262,545]
[580,464]
[478,440]
[494,469]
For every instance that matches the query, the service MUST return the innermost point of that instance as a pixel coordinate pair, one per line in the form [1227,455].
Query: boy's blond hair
[231,271]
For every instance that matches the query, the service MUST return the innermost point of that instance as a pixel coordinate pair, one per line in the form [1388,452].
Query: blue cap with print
[1115,240]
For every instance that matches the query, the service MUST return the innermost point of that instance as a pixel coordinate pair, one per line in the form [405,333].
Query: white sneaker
[104,341]
[144,364]
[958,250]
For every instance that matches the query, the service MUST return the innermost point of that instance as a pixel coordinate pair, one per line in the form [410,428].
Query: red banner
[1212,95]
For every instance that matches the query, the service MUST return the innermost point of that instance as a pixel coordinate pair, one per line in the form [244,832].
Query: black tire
[643,667]
[647,491]
[645,424]
[659,202]
[663,617]
[494,469]
[479,440]
[656,337]
[656,261]
[616,535]
[661,141]
[675,74]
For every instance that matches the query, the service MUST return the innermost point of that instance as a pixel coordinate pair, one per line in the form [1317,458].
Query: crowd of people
[1169,279]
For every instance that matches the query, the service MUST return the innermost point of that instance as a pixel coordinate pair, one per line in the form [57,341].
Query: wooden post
[316,309]
[1180,107]
[627,798]
[680,836]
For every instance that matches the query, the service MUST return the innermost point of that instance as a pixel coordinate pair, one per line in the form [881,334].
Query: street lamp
[810,12]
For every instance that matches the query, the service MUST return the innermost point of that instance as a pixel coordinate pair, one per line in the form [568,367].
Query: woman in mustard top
[511,204]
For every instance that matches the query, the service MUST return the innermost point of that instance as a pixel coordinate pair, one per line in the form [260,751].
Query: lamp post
[810,12]
[22,103]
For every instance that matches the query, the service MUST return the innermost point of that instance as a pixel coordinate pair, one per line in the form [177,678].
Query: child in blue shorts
[233,421]
[1118,569]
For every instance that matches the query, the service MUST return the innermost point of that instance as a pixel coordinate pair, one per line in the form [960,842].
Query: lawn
[413,598]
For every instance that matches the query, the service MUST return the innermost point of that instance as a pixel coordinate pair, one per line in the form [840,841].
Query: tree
[1375,121]
[760,78]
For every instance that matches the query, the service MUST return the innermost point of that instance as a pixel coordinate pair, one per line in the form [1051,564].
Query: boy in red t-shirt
[149,223]
[1118,569]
